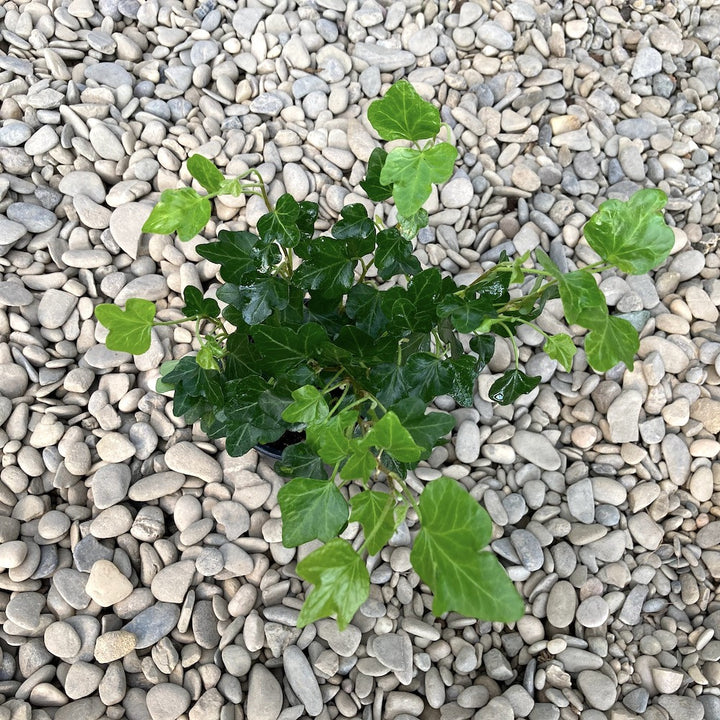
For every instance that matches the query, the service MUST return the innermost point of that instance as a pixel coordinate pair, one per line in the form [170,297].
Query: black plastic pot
[274,450]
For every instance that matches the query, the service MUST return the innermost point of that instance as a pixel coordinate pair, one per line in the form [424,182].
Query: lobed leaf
[583,301]
[394,255]
[374,189]
[309,406]
[427,430]
[375,511]
[632,234]
[412,173]
[511,385]
[311,509]
[447,556]
[561,347]
[389,434]
[130,329]
[403,115]
[240,255]
[612,343]
[341,580]
[281,225]
[182,210]
[197,305]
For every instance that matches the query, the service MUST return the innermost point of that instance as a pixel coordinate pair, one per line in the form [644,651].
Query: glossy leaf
[281,225]
[205,358]
[412,173]
[256,301]
[130,329]
[360,465]
[484,346]
[561,347]
[309,406]
[205,172]
[394,255]
[410,226]
[403,115]
[238,253]
[511,385]
[427,430]
[375,190]
[197,305]
[341,583]
[388,434]
[632,234]
[364,306]
[354,223]
[327,267]
[375,512]
[464,374]
[616,341]
[311,509]
[583,301]
[182,210]
[427,376]
[300,460]
[448,556]
[282,348]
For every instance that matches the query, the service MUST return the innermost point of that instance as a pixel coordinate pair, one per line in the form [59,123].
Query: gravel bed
[142,570]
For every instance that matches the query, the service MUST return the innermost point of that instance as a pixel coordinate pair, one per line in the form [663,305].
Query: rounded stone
[167,701]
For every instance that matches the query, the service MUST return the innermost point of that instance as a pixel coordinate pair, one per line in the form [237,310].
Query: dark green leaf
[633,234]
[327,267]
[300,460]
[464,374]
[130,329]
[257,301]
[394,255]
[403,115]
[427,376]
[281,225]
[583,301]
[309,406]
[561,347]
[354,223]
[197,305]
[237,254]
[282,348]
[311,509]
[427,430]
[183,210]
[511,385]
[205,173]
[447,556]
[375,511]
[387,382]
[341,580]
[484,346]
[375,190]
[412,173]
[364,306]
[307,217]
[612,343]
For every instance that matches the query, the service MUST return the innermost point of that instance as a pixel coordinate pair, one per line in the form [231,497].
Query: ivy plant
[345,339]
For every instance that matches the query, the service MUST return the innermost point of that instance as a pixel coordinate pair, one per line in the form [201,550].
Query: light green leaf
[447,556]
[205,173]
[129,328]
[375,512]
[205,358]
[360,464]
[309,406]
[403,115]
[412,172]
[311,509]
[561,347]
[388,434]
[341,580]
[583,301]
[632,234]
[611,343]
[183,210]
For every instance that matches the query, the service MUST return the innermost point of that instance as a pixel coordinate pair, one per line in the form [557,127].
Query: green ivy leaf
[511,385]
[330,439]
[341,580]
[410,226]
[161,385]
[240,254]
[129,328]
[205,173]
[611,343]
[327,266]
[309,406]
[311,509]
[360,465]
[205,358]
[412,173]
[403,115]
[388,434]
[484,346]
[427,430]
[257,301]
[394,255]
[283,348]
[354,223]
[464,374]
[447,556]
[632,234]
[375,511]
[300,460]
[583,301]
[547,264]
[374,189]
[387,382]
[183,210]
[561,347]
[197,305]
[427,376]
[364,306]
[281,225]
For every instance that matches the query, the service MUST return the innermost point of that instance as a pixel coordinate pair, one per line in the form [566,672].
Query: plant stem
[514,344]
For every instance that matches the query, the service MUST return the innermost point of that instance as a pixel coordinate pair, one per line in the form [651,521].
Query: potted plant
[345,340]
